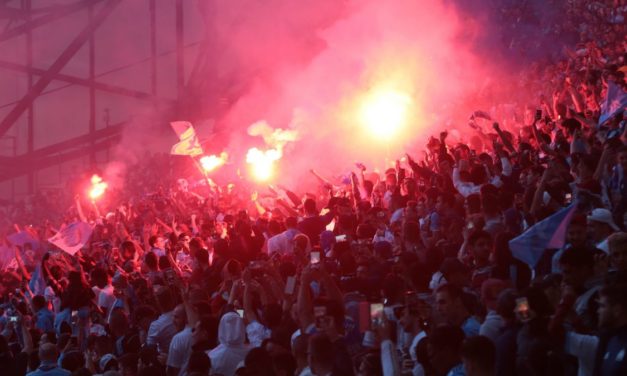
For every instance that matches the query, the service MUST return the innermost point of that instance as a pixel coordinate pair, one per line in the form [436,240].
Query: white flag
[72,237]
[189,144]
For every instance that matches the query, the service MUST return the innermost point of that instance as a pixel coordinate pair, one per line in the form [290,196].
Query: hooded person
[231,351]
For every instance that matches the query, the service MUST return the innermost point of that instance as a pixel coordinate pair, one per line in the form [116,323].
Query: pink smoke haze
[309,66]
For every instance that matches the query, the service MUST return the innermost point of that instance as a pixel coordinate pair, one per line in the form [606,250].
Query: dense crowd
[408,272]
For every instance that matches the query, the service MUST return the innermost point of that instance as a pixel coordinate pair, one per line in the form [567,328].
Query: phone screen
[376,312]
[340,238]
[314,258]
[240,312]
[290,285]
[522,308]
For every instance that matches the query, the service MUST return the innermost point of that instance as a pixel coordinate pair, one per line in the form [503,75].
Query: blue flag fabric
[37,283]
[550,233]
[615,102]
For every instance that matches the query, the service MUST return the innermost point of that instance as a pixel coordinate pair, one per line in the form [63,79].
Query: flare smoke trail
[309,66]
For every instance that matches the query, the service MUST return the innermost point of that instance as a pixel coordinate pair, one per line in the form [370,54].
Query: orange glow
[98,187]
[385,112]
[262,162]
[212,162]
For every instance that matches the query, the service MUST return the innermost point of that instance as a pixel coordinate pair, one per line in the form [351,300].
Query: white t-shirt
[161,332]
[584,347]
[492,326]
[180,350]
[257,333]
[106,297]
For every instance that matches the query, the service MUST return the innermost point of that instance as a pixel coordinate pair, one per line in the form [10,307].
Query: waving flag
[189,144]
[73,237]
[550,233]
[22,238]
[37,283]
[615,102]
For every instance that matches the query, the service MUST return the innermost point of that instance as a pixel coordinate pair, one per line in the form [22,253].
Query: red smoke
[309,65]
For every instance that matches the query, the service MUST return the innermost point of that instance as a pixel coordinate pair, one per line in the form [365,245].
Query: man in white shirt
[410,321]
[181,345]
[103,289]
[162,330]
[283,243]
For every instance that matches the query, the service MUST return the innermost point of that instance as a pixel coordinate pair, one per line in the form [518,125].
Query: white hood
[231,331]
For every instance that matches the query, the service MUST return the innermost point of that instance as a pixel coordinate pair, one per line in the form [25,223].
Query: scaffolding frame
[21,18]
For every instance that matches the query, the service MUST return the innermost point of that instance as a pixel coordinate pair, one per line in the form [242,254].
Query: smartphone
[538,114]
[376,313]
[522,309]
[471,225]
[290,285]
[13,318]
[340,238]
[314,258]
[240,312]
[569,197]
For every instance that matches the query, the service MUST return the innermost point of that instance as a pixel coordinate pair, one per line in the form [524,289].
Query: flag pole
[210,183]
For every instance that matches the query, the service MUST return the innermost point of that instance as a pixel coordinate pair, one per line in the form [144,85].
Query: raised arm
[504,139]
[79,208]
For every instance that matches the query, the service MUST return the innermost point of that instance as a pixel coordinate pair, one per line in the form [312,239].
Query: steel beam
[72,143]
[180,50]
[56,13]
[42,158]
[56,67]
[40,164]
[100,86]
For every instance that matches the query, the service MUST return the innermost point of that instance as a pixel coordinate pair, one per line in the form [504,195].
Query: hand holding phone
[290,285]
[522,309]
[314,258]
[376,313]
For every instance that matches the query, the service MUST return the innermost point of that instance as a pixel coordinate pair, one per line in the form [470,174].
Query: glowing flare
[385,112]
[262,162]
[212,162]
[98,187]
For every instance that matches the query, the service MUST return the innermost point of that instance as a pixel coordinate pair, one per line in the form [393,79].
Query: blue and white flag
[37,284]
[72,237]
[24,237]
[615,102]
[549,233]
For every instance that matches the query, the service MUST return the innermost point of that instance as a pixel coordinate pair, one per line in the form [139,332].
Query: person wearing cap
[601,225]
[107,363]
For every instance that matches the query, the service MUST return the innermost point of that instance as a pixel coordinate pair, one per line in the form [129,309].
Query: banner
[550,233]
[73,237]
[189,144]
[24,237]
[615,102]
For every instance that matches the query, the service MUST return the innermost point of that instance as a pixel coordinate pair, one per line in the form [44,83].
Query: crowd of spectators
[408,272]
